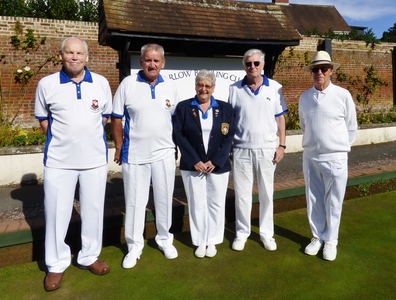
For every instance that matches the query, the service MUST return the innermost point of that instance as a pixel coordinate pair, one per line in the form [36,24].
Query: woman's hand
[200,167]
[209,166]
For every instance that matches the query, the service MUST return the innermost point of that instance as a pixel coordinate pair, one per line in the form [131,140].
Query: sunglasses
[249,63]
[323,69]
[200,85]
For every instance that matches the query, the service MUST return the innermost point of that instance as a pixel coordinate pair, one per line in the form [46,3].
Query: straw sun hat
[321,58]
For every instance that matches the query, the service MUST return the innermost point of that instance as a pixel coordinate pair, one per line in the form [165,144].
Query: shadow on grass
[280,231]
[293,236]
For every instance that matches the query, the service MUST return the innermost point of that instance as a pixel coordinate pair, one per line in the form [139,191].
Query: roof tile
[210,19]
[320,17]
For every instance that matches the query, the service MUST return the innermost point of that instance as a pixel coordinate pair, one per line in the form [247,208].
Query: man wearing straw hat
[328,120]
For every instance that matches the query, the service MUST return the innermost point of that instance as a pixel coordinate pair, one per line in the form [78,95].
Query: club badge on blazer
[225,127]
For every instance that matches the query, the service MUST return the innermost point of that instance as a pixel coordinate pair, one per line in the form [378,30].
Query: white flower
[27,68]
[19,71]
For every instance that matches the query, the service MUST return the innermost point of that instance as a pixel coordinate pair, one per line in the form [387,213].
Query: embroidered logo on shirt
[225,127]
[268,98]
[168,104]
[95,104]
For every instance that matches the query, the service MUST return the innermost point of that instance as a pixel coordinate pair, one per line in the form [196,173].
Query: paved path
[22,207]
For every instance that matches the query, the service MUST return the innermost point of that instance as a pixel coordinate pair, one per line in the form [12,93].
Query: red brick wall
[102,60]
[353,57]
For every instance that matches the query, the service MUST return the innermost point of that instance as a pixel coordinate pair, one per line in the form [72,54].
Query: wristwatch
[283,146]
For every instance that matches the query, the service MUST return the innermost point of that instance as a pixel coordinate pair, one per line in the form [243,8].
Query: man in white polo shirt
[146,150]
[259,144]
[328,120]
[72,107]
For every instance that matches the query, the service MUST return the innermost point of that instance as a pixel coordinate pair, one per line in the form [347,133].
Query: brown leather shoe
[99,267]
[53,281]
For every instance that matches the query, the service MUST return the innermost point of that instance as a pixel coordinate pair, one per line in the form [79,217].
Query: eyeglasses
[323,69]
[200,85]
[249,63]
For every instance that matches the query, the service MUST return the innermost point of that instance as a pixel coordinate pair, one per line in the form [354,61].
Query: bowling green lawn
[364,268]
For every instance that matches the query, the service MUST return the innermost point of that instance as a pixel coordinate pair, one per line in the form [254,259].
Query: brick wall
[102,60]
[353,57]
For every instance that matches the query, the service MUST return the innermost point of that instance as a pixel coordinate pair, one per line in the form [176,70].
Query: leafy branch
[20,66]
[364,88]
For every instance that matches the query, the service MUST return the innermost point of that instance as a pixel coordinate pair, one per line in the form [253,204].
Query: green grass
[364,268]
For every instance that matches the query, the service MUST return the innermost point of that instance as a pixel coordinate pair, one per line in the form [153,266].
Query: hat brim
[335,65]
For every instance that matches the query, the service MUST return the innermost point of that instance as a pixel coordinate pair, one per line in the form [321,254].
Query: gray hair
[205,74]
[152,47]
[251,52]
[62,47]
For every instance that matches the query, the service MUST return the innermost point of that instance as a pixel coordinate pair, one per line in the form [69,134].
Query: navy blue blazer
[187,133]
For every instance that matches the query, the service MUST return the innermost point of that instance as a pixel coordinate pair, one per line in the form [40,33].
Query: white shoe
[329,252]
[238,244]
[314,246]
[269,244]
[211,251]
[170,251]
[131,258]
[200,251]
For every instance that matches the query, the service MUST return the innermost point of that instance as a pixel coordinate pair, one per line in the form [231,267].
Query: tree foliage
[390,35]
[15,8]
[51,9]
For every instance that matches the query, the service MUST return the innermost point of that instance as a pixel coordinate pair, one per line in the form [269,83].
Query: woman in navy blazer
[204,129]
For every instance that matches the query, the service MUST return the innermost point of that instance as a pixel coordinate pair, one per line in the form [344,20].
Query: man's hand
[117,157]
[279,154]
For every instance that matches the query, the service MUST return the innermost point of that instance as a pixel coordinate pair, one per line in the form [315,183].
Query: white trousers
[248,164]
[325,184]
[137,188]
[59,189]
[206,196]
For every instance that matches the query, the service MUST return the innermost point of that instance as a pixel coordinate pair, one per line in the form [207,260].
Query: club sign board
[183,70]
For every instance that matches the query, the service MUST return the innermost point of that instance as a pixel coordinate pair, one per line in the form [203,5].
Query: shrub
[16,136]
[292,117]
[374,117]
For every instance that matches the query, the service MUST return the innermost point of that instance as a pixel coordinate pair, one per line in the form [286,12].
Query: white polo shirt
[255,113]
[148,118]
[76,138]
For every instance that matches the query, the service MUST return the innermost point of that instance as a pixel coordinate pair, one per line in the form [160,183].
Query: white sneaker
[314,246]
[170,251]
[238,244]
[329,252]
[131,258]
[269,244]
[200,251]
[211,251]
